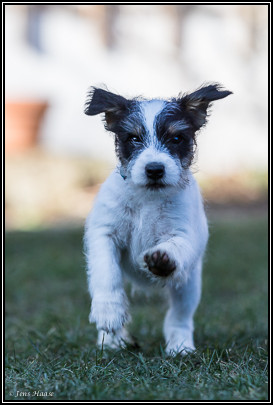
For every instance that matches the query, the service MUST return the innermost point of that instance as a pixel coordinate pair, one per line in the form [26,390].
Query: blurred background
[56,157]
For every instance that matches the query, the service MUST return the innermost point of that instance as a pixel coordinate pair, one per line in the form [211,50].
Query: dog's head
[155,139]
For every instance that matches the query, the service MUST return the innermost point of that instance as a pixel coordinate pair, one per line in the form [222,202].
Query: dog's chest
[143,224]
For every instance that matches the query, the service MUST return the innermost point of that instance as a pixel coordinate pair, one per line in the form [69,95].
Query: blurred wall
[55,52]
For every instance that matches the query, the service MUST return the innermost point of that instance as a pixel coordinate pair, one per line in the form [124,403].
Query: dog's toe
[159,263]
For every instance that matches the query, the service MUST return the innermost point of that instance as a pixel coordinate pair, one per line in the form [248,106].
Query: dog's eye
[133,138]
[176,139]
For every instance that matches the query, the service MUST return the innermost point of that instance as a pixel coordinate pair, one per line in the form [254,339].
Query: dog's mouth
[155,186]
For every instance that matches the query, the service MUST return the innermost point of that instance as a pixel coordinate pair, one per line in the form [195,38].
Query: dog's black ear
[103,101]
[197,103]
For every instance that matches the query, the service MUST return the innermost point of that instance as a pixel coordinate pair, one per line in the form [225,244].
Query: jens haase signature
[31,394]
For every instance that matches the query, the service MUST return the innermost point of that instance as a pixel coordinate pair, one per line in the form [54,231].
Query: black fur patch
[195,105]
[176,133]
[114,106]
[129,134]
[178,123]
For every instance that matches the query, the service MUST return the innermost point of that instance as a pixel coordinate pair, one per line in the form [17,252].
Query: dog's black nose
[154,170]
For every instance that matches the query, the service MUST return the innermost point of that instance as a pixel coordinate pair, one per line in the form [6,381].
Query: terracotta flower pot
[22,124]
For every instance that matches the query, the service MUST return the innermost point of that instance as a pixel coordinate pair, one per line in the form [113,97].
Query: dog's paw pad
[159,263]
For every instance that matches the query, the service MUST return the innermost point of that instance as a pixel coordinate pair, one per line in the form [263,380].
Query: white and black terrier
[148,221]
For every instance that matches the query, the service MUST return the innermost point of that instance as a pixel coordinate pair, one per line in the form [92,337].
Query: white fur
[150,109]
[121,219]
[152,154]
[128,221]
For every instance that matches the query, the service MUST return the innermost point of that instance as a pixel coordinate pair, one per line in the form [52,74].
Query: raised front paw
[159,263]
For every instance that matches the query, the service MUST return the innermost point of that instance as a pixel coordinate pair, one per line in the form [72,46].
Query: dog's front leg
[109,301]
[172,259]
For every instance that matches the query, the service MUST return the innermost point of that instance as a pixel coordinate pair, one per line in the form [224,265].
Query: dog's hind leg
[178,323]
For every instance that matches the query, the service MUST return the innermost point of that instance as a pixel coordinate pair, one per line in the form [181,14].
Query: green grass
[50,347]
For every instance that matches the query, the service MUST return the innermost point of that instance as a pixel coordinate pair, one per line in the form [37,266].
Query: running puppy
[148,222]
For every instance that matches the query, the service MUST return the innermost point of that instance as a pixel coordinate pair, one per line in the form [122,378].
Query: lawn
[50,347]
